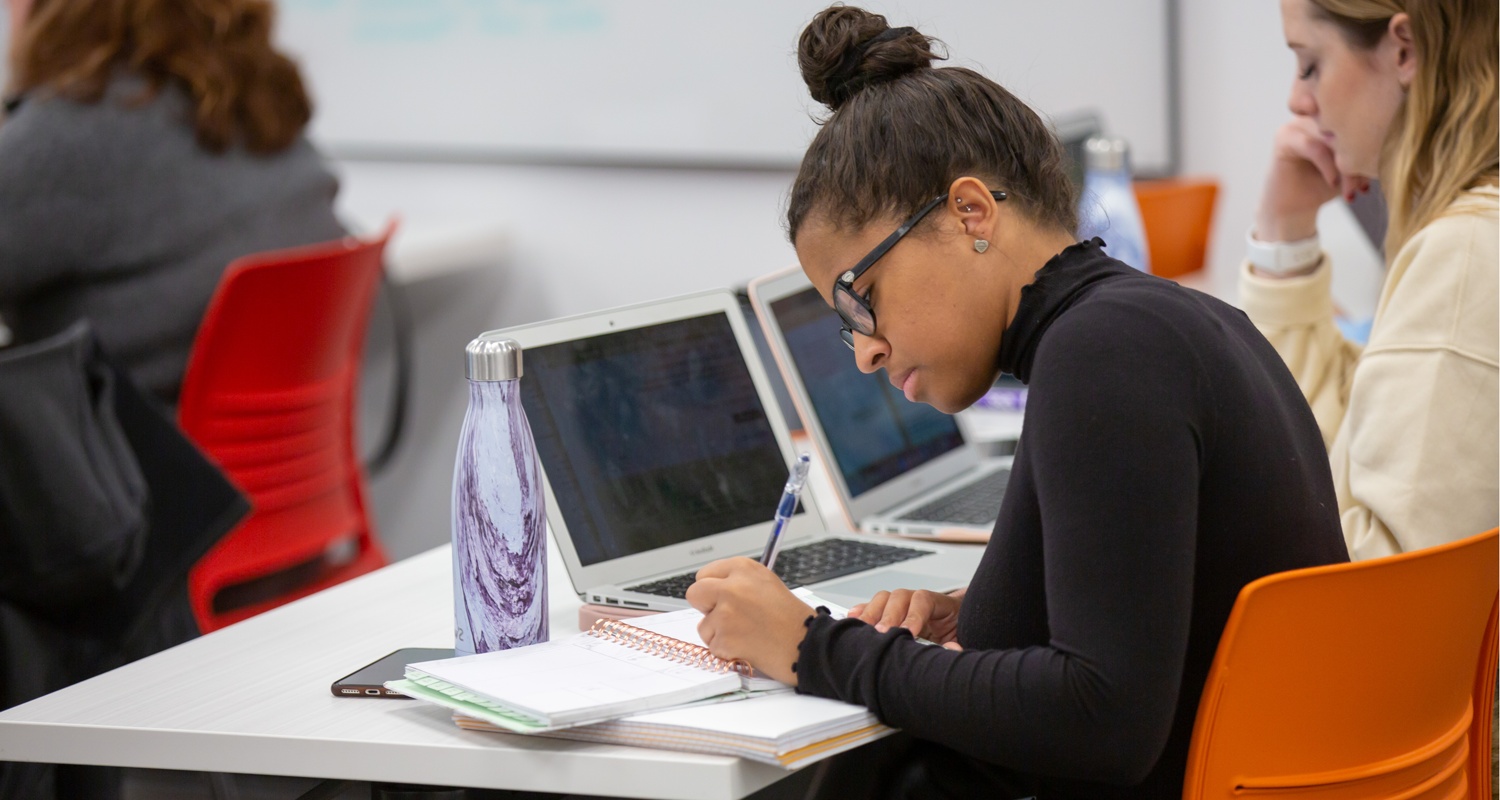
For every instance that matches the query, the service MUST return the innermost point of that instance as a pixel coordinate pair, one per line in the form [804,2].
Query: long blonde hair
[1446,138]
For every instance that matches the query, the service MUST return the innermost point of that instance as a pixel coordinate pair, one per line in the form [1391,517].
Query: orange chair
[269,394]
[1352,681]
[1177,214]
[1481,736]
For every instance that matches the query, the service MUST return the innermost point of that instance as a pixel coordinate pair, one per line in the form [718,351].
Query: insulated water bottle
[499,524]
[1108,208]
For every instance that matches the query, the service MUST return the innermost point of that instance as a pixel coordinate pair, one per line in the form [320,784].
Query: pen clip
[798,478]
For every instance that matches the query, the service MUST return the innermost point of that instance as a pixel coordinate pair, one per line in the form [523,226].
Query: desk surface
[254,698]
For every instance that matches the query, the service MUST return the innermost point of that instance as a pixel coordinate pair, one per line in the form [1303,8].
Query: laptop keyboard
[975,504]
[807,564]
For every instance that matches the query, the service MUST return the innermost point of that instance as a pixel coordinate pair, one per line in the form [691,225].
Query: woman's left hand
[749,613]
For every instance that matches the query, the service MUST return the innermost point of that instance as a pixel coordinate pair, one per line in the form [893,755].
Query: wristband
[1282,258]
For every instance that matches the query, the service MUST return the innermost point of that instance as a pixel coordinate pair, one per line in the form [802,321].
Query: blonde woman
[1403,91]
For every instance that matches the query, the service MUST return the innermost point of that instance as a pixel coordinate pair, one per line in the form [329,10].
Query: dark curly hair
[243,91]
[900,132]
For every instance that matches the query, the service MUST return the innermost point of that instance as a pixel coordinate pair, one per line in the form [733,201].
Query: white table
[254,698]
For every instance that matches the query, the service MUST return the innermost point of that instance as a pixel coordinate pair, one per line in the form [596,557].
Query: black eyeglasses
[854,309]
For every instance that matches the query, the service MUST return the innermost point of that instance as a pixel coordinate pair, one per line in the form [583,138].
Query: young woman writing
[1402,90]
[1168,458]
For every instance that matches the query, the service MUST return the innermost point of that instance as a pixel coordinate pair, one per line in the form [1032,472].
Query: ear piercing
[980,245]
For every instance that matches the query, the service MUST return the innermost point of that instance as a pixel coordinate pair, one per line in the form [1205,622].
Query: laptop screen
[876,433]
[652,437]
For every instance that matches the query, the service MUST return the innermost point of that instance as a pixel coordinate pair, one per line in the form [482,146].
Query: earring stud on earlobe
[981,245]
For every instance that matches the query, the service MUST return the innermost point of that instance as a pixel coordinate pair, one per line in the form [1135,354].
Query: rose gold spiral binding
[667,647]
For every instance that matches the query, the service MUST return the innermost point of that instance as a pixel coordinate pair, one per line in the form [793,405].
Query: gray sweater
[111,211]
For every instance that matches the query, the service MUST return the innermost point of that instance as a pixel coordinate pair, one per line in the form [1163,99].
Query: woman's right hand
[926,614]
[1302,178]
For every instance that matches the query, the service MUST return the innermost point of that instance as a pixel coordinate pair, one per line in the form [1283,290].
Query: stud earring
[981,245]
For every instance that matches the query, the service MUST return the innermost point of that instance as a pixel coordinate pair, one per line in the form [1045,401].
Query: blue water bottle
[499,521]
[1108,208]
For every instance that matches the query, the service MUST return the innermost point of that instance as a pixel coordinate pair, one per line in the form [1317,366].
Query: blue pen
[785,508]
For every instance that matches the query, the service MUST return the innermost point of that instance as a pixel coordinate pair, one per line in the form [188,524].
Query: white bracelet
[1282,258]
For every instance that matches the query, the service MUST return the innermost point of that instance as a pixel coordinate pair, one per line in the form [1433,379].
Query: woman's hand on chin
[748,613]
[1302,178]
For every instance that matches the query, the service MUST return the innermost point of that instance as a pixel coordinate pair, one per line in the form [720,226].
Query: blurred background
[551,157]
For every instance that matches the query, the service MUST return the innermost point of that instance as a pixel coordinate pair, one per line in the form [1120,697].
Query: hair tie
[847,82]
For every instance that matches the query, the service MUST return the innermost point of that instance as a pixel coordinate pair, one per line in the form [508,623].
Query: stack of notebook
[781,728]
[650,683]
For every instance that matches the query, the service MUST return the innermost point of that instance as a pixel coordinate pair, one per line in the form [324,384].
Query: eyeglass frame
[845,282]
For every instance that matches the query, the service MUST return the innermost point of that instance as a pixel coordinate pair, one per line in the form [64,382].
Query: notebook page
[773,718]
[578,678]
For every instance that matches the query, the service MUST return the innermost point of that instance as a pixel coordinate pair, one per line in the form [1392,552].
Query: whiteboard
[696,81]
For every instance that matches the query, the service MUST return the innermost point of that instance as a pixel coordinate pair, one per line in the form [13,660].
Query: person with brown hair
[1403,91]
[933,212]
[145,145]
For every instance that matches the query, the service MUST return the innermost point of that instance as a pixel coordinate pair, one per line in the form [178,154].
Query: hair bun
[844,49]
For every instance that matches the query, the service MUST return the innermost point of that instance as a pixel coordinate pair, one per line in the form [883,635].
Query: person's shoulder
[1483,199]
[1461,243]
[45,144]
[1148,305]
[1473,212]
[1445,281]
[60,135]
[1129,320]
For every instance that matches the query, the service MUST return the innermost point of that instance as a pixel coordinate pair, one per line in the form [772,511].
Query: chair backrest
[1177,214]
[269,394]
[1481,735]
[1349,681]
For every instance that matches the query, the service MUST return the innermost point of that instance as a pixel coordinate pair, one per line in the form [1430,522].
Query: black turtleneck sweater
[1168,459]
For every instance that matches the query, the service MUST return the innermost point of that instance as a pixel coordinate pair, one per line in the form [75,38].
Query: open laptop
[663,448]
[898,466]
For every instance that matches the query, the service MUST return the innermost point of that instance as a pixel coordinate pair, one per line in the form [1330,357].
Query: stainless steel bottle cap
[491,358]
[1106,154]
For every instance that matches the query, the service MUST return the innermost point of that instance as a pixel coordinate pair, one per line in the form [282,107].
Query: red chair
[269,394]
[1355,681]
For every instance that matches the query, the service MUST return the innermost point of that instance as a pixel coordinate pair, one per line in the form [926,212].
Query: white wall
[4,47]
[590,238]
[718,82]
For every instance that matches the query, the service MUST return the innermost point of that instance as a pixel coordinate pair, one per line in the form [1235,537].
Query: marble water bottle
[499,522]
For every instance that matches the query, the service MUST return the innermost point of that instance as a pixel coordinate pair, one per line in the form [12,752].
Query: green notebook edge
[515,724]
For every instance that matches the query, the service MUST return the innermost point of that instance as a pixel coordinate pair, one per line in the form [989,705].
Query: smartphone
[369,680]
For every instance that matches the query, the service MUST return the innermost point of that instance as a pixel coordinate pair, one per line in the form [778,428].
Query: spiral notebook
[612,670]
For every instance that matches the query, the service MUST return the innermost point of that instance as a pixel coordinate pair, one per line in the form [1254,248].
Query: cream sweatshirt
[1411,420]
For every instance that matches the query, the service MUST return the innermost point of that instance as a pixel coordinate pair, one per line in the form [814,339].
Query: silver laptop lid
[884,449]
[661,443]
